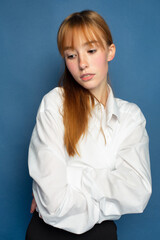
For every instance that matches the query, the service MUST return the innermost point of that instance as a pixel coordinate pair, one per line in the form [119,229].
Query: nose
[83,63]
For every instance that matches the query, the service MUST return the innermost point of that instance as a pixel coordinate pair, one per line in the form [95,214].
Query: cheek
[101,63]
[71,67]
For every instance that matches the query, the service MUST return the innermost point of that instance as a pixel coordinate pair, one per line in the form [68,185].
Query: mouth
[87,76]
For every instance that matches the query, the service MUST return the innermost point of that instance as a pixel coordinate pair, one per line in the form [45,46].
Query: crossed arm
[100,193]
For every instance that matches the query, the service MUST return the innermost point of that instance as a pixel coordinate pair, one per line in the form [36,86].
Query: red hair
[78,101]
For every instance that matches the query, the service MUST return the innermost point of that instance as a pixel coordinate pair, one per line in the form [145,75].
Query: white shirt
[106,181]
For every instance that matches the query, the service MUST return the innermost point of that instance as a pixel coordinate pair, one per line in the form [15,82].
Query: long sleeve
[127,187]
[59,203]
[105,182]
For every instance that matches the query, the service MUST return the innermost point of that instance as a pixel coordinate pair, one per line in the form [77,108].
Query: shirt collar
[111,107]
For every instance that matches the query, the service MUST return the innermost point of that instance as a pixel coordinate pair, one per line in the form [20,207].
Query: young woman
[88,154]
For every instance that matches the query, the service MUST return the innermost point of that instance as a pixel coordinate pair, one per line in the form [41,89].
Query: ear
[111,52]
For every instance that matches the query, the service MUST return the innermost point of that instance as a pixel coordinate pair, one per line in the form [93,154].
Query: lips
[87,76]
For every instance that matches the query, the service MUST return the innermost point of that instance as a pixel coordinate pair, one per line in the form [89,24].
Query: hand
[33,205]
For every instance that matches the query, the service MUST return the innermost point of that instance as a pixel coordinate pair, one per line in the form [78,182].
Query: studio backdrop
[30,66]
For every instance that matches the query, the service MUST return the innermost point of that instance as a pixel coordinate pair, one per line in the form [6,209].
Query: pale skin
[88,64]
[91,59]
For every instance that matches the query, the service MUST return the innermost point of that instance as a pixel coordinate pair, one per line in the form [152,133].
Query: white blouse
[111,177]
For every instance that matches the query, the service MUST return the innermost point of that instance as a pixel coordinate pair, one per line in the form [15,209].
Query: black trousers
[39,230]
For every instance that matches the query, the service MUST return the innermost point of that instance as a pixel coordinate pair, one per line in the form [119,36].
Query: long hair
[78,102]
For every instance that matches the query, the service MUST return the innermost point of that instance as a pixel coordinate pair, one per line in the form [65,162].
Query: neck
[101,94]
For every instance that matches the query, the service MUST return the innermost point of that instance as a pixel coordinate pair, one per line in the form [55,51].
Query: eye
[70,56]
[92,51]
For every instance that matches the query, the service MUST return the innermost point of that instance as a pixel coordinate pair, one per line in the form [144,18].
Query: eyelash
[72,56]
[92,51]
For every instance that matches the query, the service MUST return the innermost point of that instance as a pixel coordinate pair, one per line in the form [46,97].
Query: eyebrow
[90,42]
[85,44]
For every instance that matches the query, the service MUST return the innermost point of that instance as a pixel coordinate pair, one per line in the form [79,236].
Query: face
[88,64]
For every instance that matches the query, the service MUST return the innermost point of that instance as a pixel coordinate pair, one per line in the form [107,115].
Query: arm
[59,203]
[127,187]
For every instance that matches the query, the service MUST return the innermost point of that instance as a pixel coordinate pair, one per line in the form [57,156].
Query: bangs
[72,34]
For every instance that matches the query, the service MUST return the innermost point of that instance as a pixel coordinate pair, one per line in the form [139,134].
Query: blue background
[30,66]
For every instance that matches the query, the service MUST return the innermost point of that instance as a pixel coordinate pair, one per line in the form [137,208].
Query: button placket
[102,123]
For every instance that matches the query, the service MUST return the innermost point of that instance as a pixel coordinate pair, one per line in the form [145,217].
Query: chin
[88,84]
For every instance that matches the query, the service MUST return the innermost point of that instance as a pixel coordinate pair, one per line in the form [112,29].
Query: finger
[33,206]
